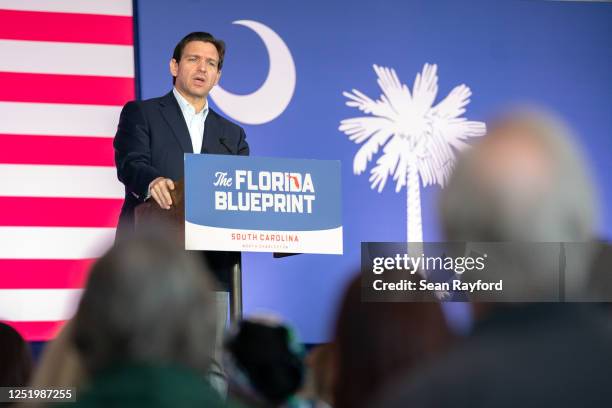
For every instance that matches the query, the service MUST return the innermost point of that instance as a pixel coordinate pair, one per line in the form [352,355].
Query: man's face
[197,71]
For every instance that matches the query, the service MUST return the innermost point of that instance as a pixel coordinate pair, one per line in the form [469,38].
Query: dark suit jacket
[151,140]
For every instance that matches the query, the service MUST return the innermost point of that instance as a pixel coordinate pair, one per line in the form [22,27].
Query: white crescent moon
[269,101]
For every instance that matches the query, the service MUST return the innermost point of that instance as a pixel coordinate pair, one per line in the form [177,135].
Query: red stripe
[66,27]
[44,273]
[37,331]
[59,212]
[56,150]
[78,89]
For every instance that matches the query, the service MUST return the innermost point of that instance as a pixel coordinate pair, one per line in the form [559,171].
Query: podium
[253,204]
[173,221]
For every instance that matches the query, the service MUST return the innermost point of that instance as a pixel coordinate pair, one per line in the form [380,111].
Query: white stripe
[54,242]
[24,180]
[108,7]
[202,237]
[45,57]
[58,119]
[39,305]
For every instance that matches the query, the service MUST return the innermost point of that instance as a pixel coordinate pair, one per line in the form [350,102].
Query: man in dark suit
[154,134]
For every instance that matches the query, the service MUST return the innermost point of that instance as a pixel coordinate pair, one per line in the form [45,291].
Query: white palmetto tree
[420,140]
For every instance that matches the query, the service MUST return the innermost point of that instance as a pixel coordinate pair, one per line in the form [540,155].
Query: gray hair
[525,182]
[146,301]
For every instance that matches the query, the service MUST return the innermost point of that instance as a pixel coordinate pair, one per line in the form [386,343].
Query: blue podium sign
[262,204]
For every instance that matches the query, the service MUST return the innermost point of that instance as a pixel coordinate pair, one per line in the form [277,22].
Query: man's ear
[173,67]
[218,78]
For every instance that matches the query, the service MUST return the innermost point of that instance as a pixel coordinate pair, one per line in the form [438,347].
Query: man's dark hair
[199,36]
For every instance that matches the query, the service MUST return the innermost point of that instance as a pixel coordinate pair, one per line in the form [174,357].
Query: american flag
[66,69]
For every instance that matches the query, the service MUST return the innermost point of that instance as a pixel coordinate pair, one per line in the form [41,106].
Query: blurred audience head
[60,364]
[264,362]
[15,358]
[319,381]
[525,182]
[146,301]
[374,342]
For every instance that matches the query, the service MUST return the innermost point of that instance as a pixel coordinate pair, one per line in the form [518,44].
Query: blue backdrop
[557,54]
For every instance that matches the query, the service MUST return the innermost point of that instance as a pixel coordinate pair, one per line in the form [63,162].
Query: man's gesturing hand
[160,191]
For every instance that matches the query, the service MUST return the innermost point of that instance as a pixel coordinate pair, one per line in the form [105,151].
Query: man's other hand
[160,191]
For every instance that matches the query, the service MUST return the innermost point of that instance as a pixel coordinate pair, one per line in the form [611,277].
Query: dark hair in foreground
[199,36]
[267,354]
[146,301]
[376,342]
[15,358]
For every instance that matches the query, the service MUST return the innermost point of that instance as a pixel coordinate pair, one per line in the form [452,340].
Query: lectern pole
[236,294]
